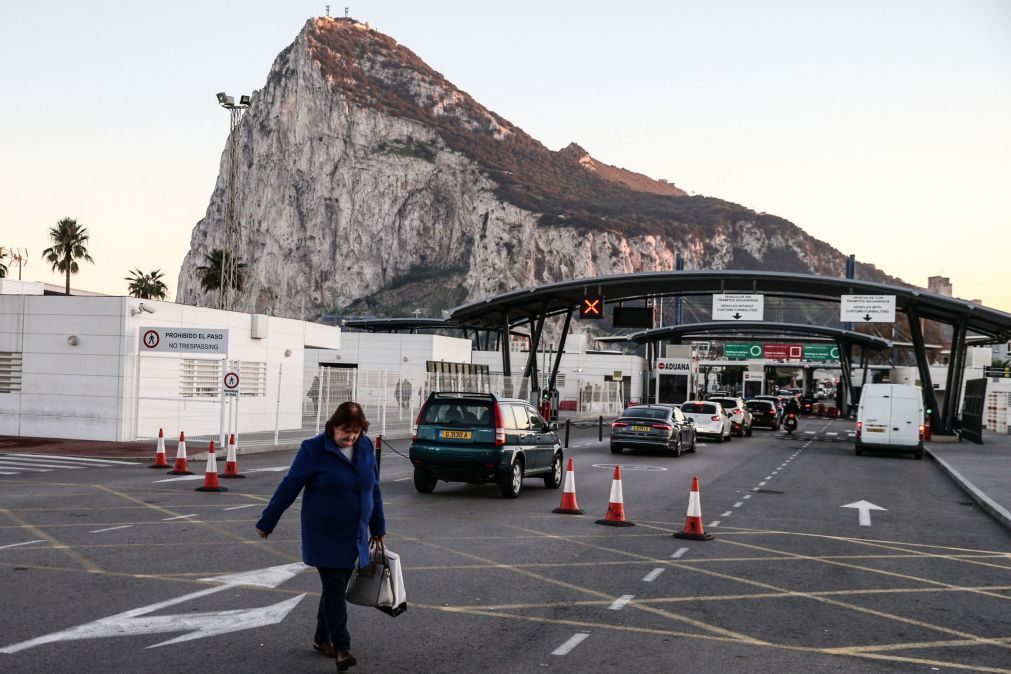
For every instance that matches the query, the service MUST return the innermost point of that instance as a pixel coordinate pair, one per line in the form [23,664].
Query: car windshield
[646,412]
[726,402]
[698,408]
[459,413]
[758,405]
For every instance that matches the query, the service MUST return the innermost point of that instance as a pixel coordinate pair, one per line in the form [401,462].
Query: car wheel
[691,447]
[424,481]
[919,454]
[554,480]
[719,438]
[677,447]
[615,449]
[730,435]
[859,451]
[511,483]
[749,431]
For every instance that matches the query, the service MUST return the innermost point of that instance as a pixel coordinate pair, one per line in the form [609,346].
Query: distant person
[341,504]
[792,407]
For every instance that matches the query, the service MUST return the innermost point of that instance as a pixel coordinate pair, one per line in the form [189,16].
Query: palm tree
[210,271]
[70,243]
[3,267]
[147,286]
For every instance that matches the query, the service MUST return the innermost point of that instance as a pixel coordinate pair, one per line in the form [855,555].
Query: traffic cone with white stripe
[211,474]
[182,466]
[569,505]
[693,523]
[159,452]
[231,463]
[616,508]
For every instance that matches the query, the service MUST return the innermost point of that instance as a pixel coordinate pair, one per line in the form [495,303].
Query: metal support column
[846,363]
[956,374]
[922,365]
[503,341]
[535,342]
[561,350]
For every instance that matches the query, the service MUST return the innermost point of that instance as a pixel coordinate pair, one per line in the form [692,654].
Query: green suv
[482,437]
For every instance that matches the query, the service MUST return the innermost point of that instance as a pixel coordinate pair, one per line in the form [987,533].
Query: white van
[890,417]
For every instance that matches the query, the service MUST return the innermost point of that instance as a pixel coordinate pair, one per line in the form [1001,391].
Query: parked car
[653,426]
[710,418]
[483,437]
[740,419]
[763,413]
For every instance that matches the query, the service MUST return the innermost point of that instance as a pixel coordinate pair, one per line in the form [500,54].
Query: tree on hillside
[70,244]
[210,271]
[147,286]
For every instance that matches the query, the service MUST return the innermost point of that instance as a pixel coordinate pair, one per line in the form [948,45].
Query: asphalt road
[102,564]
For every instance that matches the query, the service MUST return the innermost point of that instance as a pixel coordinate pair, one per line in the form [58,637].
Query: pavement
[982,471]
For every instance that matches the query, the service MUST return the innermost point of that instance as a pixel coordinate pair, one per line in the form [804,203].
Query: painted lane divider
[652,575]
[238,507]
[679,554]
[573,641]
[73,459]
[99,531]
[739,504]
[620,602]
[727,513]
[178,517]
[18,545]
[714,523]
[182,479]
[36,463]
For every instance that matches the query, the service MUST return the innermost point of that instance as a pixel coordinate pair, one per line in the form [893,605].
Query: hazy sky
[882,128]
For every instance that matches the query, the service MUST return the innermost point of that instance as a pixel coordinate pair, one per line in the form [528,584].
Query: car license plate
[641,429]
[875,429]
[458,435]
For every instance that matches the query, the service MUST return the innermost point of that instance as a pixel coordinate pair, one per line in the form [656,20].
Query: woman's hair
[347,414]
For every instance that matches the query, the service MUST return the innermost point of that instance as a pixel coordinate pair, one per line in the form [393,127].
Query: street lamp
[229,261]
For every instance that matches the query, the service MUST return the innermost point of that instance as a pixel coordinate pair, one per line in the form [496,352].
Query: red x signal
[592,306]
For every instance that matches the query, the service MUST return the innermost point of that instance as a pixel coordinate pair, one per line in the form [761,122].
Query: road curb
[995,509]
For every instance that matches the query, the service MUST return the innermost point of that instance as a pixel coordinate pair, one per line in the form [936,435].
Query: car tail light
[417,422]
[921,431]
[737,411]
[860,428]
[715,417]
[618,424]
[663,427]
[499,427]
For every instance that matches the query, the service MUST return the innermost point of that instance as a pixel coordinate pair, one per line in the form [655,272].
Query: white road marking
[78,459]
[680,552]
[652,575]
[573,641]
[746,496]
[620,602]
[183,478]
[23,468]
[17,463]
[739,504]
[98,531]
[768,477]
[5,473]
[727,514]
[864,508]
[714,523]
[248,505]
[272,469]
[17,545]
[830,433]
[178,517]
[808,432]
[401,479]
[762,484]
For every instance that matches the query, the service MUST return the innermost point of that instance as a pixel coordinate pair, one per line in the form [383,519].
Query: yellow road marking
[65,549]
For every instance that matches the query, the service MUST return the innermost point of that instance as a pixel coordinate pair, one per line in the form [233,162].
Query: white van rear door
[907,415]
[877,409]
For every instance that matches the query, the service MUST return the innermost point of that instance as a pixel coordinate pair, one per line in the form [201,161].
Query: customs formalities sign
[209,341]
[867,308]
[738,307]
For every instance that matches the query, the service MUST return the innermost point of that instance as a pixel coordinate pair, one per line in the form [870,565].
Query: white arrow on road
[273,469]
[198,625]
[865,509]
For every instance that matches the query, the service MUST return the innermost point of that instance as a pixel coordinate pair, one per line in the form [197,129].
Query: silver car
[740,419]
[710,418]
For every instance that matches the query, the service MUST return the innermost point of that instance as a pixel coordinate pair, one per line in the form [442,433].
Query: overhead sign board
[821,352]
[784,351]
[867,308]
[184,340]
[674,366]
[733,307]
[742,350]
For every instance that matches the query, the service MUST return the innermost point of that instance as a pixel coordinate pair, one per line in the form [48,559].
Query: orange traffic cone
[159,452]
[211,474]
[616,508]
[182,466]
[693,523]
[231,463]
[569,505]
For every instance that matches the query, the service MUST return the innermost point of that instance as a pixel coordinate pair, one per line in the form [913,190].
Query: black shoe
[324,647]
[345,660]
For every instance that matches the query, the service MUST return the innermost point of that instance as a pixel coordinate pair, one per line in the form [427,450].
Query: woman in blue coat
[341,505]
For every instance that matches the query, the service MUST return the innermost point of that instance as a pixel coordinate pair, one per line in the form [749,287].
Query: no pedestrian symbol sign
[231,382]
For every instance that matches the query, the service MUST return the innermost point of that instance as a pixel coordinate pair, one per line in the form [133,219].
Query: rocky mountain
[369,184]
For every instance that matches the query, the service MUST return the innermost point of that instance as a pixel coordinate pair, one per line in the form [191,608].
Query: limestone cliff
[369,181]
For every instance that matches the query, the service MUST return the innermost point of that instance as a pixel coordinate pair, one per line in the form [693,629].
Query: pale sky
[880,127]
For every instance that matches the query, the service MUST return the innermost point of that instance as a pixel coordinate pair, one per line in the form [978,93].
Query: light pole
[229,252]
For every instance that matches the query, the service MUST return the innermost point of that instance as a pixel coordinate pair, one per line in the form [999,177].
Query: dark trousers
[332,617]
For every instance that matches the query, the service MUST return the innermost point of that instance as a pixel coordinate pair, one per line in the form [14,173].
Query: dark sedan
[763,413]
[653,427]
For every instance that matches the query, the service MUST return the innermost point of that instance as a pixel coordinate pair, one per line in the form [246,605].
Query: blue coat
[341,503]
